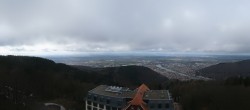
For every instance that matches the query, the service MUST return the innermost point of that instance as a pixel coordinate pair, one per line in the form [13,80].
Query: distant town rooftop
[114,91]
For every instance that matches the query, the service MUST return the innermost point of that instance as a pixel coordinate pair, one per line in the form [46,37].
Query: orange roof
[138,98]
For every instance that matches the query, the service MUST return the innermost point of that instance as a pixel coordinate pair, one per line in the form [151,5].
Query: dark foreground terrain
[26,83]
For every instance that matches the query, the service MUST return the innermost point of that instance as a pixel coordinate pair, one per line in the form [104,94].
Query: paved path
[54,104]
[177,106]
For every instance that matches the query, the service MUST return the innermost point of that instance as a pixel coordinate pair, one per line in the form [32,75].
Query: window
[89,102]
[101,106]
[132,108]
[95,98]
[101,99]
[89,108]
[107,107]
[146,101]
[108,101]
[128,99]
[159,105]
[94,108]
[166,105]
[152,105]
[119,103]
[113,108]
[89,96]
[95,104]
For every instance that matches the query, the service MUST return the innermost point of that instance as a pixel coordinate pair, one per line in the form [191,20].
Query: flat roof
[123,92]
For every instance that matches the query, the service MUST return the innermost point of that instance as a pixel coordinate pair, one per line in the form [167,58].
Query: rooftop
[123,92]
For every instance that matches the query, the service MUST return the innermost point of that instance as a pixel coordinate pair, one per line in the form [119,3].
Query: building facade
[106,97]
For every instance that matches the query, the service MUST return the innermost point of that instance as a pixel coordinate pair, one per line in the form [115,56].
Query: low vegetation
[229,94]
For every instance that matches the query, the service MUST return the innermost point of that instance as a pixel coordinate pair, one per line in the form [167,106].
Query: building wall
[160,105]
[99,102]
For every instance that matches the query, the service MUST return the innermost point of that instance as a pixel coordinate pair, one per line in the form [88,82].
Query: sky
[61,27]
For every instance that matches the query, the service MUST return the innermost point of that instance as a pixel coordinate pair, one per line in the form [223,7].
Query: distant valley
[172,67]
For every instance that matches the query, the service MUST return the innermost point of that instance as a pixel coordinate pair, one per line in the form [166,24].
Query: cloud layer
[71,26]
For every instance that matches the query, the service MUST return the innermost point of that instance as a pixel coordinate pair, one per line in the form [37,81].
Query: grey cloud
[131,25]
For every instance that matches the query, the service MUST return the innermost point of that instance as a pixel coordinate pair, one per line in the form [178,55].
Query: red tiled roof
[137,100]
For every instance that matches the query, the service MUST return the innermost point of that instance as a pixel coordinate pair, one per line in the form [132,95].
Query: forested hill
[34,79]
[131,76]
[27,82]
[225,70]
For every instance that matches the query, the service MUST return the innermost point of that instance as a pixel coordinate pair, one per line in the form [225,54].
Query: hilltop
[226,70]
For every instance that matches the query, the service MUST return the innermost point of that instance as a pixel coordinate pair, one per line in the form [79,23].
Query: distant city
[174,67]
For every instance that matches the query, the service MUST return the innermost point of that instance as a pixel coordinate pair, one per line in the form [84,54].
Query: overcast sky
[75,26]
